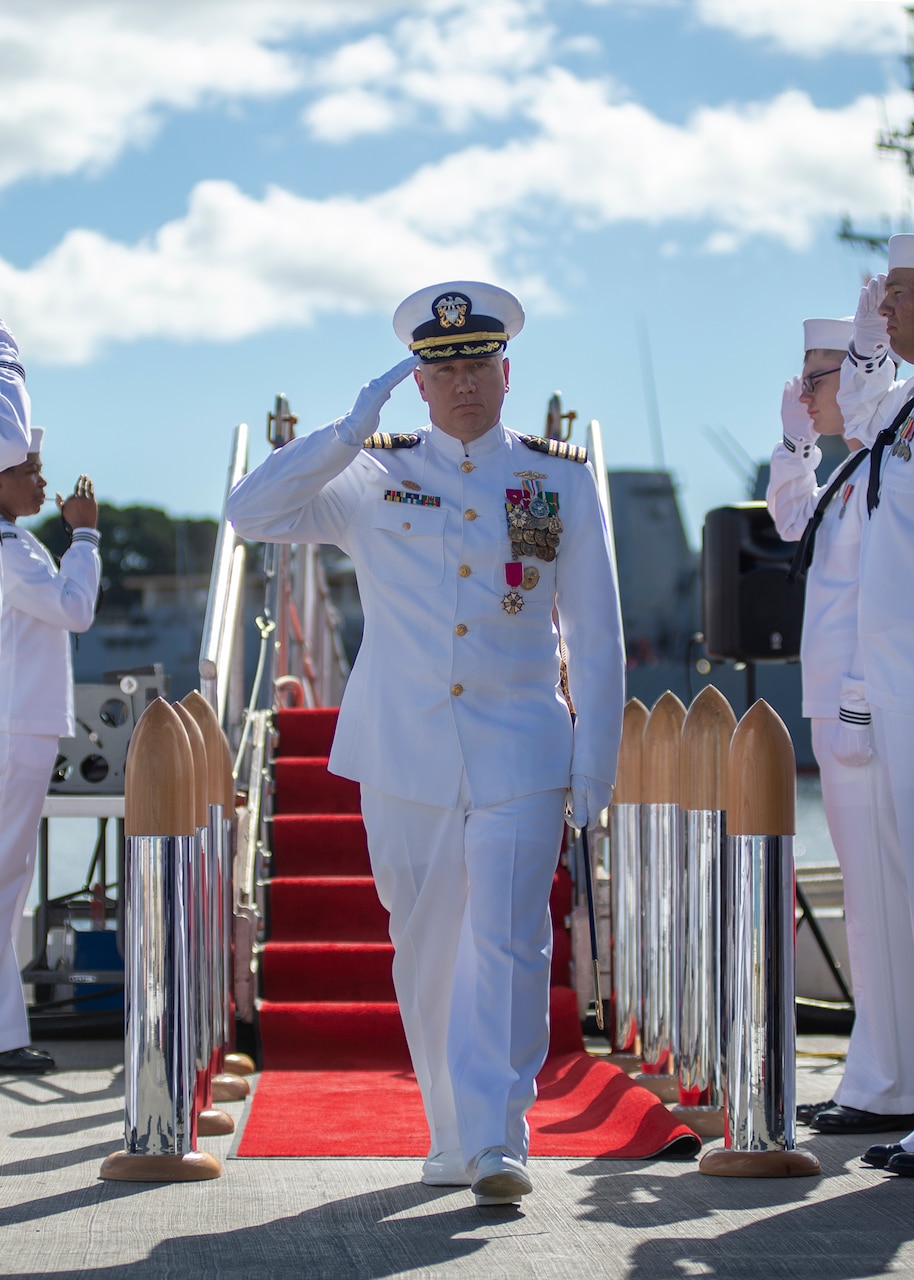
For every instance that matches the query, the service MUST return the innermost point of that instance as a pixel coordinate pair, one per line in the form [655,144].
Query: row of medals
[534,531]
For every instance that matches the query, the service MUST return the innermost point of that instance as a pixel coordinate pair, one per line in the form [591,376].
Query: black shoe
[849,1120]
[808,1111]
[902,1163]
[33,1061]
[879,1155]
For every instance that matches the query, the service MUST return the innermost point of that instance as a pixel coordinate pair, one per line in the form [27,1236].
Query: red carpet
[327,997]
[586,1107]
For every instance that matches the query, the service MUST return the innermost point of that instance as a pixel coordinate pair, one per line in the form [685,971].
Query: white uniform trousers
[26,763]
[468,894]
[861,814]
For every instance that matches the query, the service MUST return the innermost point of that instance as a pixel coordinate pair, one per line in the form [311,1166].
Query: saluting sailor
[880,411]
[876,1093]
[468,542]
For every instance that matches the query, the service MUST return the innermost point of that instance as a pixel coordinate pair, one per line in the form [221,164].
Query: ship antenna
[650,395]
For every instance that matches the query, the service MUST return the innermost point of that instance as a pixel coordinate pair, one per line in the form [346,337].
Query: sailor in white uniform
[880,411]
[877,1090]
[468,541]
[14,403]
[15,408]
[41,606]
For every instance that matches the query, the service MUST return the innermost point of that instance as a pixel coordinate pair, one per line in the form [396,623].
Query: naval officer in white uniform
[469,541]
[880,411]
[41,606]
[877,1089]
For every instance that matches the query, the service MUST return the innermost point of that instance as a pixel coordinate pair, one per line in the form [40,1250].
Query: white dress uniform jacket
[41,606]
[886,606]
[446,680]
[829,639]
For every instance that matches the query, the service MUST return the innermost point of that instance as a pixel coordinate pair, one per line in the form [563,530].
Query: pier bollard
[659,895]
[759,948]
[226,1086]
[704,753]
[160,1119]
[211,1121]
[625,891]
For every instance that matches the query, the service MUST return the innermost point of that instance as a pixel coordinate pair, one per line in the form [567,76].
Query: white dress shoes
[446,1169]
[499,1177]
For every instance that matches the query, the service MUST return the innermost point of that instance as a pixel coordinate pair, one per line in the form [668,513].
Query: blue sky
[205,204]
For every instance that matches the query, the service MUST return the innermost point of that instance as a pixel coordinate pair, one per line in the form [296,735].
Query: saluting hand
[795,419]
[79,509]
[363,418]
[870,337]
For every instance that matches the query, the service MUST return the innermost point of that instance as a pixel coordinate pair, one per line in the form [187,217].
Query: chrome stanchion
[160,1118]
[659,894]
[625,889]
[225,1086]
[211,1120]
[759,946]
[705,746]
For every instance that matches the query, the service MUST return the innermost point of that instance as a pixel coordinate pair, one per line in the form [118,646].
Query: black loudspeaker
[751,613]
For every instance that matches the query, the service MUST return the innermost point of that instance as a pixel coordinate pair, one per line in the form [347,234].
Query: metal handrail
[223,602]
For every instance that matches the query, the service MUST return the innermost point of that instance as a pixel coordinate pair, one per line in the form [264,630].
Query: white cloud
[812,27]
[456,63]
[235,265]
[776,169]
[85,79]
[353,113]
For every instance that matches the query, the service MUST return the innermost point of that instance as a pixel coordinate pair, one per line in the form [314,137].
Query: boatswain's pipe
[226,1087]
[759,948]
[659,894]
[159,823]
[210,1120]
[705,747]
[625,887]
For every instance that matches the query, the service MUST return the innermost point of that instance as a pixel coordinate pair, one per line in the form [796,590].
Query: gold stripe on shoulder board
[384,440]
[556,448]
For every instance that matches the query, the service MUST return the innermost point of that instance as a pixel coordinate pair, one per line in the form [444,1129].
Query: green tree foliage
[137,541]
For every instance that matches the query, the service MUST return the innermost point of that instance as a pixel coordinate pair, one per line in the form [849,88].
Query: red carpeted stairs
[326,982]
[336,1077]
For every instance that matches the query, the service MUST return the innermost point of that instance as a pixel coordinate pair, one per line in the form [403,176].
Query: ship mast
[889,140]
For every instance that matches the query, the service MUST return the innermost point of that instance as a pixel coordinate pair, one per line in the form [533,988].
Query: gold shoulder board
[383,440]
[556,448]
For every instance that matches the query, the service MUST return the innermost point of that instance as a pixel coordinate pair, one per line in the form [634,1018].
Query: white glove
[870,337]
[363,418]
[800,433]
[586,800]
[852,741]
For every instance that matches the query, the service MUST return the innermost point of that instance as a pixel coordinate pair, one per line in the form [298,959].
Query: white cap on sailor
[901,251]
[828,335]
[458,320]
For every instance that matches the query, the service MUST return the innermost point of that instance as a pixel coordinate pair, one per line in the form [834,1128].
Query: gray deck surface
[372,1218]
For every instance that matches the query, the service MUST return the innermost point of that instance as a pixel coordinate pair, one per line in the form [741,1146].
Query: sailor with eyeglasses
[877,1089]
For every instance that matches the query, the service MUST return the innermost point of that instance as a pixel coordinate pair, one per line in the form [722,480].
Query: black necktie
[802,558]
[880,444]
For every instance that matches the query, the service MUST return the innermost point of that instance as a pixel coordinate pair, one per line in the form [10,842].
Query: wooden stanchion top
[159,775]
[762,776]
[704,751]
[220,782]
[198,751]
[628,771]
[660,751]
